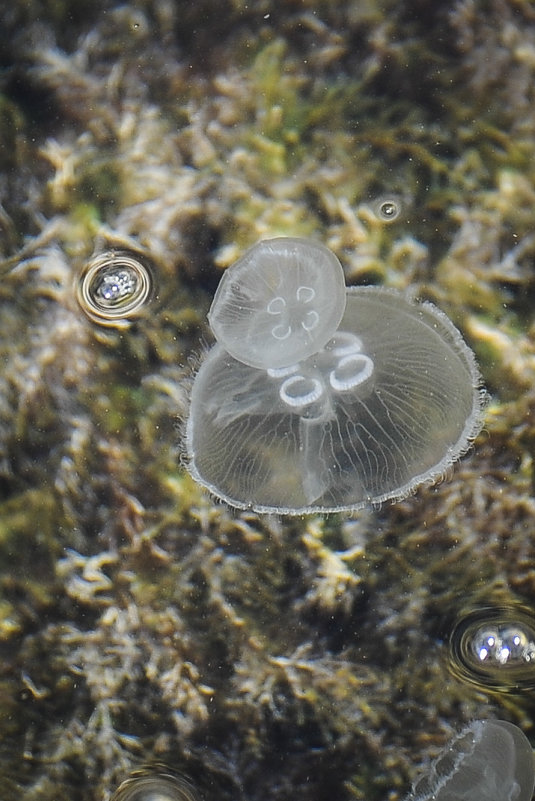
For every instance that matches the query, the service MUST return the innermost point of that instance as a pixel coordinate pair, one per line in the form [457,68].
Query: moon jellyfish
[114,287]
[156,783]
[279,303]
[490,759]
[387,401]
[494,647]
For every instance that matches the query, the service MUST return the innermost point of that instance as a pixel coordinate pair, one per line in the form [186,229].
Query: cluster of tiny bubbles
[155,783]
[387,207]
[489,759]
[319,397]
[114,287]
[494,647]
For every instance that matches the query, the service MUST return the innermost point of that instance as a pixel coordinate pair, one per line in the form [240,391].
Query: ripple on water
[494,647]
[155,783]
[114,287]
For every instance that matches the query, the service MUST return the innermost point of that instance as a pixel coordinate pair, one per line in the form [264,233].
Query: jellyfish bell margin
[489,759]
[387,402]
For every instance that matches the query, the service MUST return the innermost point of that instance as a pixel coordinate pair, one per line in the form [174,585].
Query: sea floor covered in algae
[140,620]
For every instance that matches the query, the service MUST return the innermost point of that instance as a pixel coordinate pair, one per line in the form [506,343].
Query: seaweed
[139,619]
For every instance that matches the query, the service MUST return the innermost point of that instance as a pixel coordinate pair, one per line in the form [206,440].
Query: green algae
[139,619]
[26,546]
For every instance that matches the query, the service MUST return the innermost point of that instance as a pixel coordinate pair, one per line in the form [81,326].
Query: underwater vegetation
[141,621]
[319,398]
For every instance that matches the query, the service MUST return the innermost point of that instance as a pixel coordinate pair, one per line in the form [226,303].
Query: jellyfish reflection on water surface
[388,399]
[271,310]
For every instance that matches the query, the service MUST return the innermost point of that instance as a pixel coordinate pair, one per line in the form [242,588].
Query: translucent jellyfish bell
[490,759]
[389,401]
[279,303]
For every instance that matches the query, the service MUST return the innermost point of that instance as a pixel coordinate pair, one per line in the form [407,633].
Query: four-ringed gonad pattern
[322,398]
[318,397]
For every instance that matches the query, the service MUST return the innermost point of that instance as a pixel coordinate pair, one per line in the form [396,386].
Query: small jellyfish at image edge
[490,760]
[494,647]
[388,400]
[114,287]
[155,783]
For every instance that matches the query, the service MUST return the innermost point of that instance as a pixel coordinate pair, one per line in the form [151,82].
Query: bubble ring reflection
[114,287]
[155,784]
[494,647]
[388,208]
